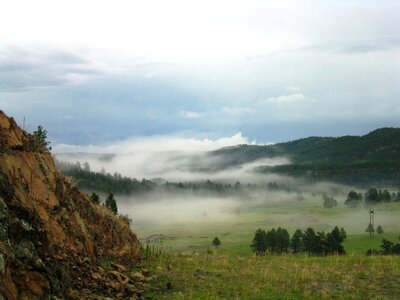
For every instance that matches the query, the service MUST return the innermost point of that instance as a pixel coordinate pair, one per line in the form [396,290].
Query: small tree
[329,202]
[216,242]
[259,242]
[39,140]
[95,198]
[370,229]
[353,199]
[111,203]
[379,229]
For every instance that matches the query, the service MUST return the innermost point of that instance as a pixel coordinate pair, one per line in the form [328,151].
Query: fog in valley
[290,202]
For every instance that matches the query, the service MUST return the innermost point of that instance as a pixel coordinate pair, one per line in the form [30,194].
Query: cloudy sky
[103,72]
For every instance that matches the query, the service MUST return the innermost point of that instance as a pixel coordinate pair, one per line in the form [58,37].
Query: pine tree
[259,242]
[111,203]
[296,241]
[379,229]
[39,140]
[95,198]
[216,242]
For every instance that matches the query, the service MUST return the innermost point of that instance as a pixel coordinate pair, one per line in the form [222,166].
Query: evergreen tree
[379,229]
[271,240]
[372,196]
[95,198]
[259,241]
[111,203]
[282,240]
[39,140]
[216,242]
[309,240]
[354,199]
[296,241]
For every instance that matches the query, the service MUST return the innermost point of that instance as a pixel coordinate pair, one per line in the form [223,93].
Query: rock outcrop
[52,237]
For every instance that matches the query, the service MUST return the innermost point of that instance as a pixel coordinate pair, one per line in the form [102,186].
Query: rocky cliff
[52,237]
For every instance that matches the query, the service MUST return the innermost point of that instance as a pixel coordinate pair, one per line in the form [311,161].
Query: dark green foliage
[379,229]
[354,199]
[39,141]
[375,196]
[282,240]
[111,203]
[278,241]
[372,158]
[387,246]
[372,196]
[296,241]
[216,242]
[104,183]
[95,198]
[259,241]
[329,202]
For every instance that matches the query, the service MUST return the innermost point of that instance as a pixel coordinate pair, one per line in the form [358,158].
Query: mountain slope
[51,236]
[348,159]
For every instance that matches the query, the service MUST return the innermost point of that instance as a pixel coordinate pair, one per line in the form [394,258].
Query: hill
[372,158]
[52,238]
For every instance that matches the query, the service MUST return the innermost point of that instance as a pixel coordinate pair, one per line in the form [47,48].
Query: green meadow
[236,229]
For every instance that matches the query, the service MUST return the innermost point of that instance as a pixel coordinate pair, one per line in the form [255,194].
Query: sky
[184,73]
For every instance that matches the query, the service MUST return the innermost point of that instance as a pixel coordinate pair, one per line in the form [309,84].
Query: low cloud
[168,157]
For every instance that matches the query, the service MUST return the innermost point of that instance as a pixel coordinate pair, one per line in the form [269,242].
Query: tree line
[116,183]
[309,241]
[387,248]
[371,197]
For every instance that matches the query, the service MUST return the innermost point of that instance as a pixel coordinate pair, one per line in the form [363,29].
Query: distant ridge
[374,157]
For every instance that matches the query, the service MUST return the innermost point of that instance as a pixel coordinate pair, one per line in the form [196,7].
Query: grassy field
[228,276]
[233,272]
[236,231]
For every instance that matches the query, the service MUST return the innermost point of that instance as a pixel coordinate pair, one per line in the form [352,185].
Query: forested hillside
[372,158]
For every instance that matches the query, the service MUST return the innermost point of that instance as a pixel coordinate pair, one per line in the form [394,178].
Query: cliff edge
[52,237]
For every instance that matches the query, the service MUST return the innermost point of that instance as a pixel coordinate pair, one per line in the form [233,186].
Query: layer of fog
[180,160]
[171,158]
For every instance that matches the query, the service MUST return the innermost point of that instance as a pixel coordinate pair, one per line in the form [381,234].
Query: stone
[138,277]
[25,225]
[26,250]
[121,268]
[115,285]
[96,276]
[8,287]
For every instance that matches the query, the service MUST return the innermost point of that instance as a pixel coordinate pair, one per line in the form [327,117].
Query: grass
[233,272]
[228,276]
[236,231]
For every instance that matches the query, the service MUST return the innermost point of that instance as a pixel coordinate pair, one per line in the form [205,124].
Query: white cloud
[156,144]
[189,114]
[288,99]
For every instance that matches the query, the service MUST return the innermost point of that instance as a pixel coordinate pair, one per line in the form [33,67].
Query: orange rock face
[47,226]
